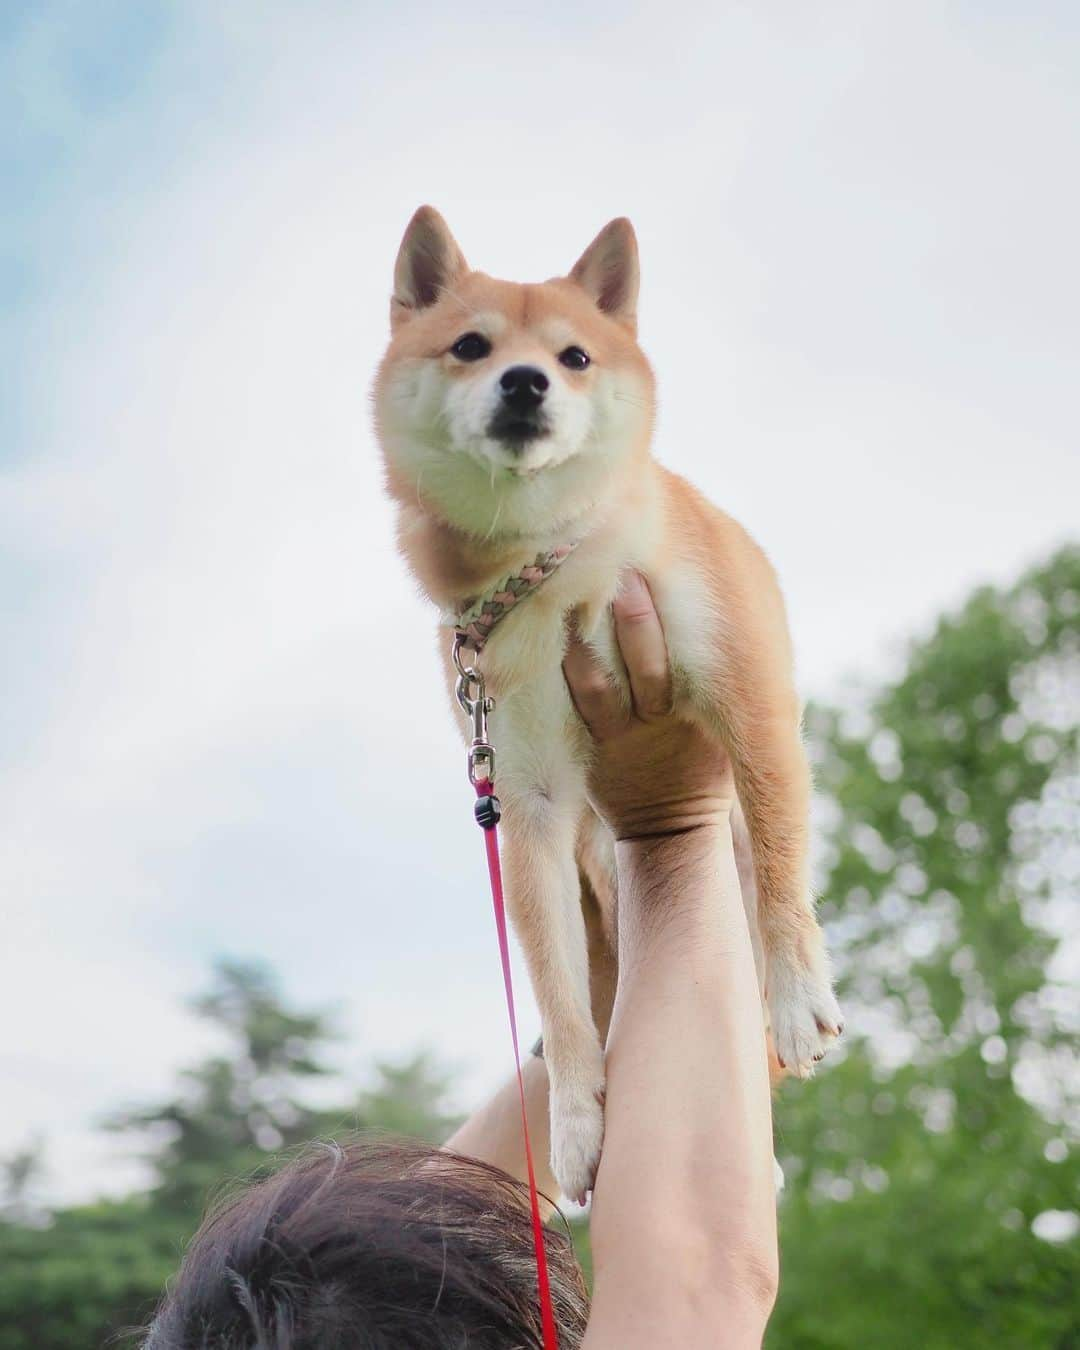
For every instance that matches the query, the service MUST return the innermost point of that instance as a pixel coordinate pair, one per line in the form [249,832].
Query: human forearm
[493,1132]
[688,1140]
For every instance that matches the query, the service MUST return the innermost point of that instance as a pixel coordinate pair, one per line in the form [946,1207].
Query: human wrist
[645,801]
[655,852]
[665,820]
[675,877]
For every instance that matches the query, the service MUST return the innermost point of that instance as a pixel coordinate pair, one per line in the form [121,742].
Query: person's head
[375,1244]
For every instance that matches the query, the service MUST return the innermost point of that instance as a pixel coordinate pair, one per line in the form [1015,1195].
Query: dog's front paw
[804,1015]
[577,1133]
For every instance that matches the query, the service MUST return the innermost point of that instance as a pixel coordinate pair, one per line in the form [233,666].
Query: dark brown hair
[372,1245]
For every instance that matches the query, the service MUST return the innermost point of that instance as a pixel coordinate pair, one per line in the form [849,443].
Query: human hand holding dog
[652,773]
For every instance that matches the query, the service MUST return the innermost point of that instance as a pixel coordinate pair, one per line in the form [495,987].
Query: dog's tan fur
[471,510]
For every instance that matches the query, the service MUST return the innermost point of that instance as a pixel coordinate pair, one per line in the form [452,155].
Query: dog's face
[501,407]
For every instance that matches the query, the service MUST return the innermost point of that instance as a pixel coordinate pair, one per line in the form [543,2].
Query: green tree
[923,1164]
[75,1281]
[410,1099]
[233,1112]
[20,1172]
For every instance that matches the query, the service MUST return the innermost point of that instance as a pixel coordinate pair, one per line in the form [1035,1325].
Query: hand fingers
[641,640]
[596,699]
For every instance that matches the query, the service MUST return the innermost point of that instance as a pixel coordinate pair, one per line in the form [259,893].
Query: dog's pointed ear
[428,263]
[608,271]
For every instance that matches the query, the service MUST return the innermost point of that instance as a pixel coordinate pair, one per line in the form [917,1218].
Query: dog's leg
[744,865]
[599,904]
[543,894]
[540,781]
[773,779]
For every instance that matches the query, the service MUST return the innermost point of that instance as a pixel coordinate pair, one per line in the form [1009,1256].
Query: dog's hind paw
[577,1133]
[804,1015]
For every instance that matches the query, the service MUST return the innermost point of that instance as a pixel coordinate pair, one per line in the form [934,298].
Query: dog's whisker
[494,518]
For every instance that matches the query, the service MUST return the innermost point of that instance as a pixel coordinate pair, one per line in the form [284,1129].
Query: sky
[222,726]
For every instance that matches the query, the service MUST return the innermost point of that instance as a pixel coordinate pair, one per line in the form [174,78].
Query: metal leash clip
[476,705]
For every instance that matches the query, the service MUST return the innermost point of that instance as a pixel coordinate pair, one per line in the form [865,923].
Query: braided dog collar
[478,620]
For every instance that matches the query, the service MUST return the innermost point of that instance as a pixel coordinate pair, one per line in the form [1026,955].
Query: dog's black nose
[523,387]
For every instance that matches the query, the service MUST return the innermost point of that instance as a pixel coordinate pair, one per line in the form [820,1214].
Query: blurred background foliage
[76,1277]
[932,1168]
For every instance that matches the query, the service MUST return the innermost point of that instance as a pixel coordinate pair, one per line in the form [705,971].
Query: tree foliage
[75,1281]
[924,1166]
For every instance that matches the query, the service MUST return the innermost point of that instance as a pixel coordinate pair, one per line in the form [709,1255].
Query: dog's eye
[574,358]
[471,347]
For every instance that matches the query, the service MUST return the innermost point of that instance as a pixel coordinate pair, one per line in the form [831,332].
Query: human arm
[493,1132]
[684,1213]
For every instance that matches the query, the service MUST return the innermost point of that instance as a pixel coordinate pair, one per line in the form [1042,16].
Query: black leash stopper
[487,811]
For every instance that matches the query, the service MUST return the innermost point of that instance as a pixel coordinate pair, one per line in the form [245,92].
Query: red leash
[482,777]
[491,844]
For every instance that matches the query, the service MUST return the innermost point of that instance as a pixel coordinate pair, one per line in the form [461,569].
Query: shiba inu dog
[515,422]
